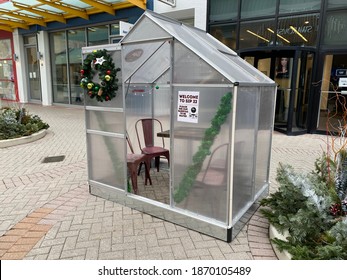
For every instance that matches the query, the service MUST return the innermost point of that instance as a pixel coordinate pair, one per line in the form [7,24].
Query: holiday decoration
[101,63]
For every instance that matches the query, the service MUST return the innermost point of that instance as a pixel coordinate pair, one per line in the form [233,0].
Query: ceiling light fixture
[256,35]
[278,35]
[298,33]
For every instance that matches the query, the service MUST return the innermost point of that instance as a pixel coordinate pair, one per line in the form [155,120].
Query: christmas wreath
[99,61]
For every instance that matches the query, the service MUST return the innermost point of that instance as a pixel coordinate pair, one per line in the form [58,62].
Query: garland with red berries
[99,61]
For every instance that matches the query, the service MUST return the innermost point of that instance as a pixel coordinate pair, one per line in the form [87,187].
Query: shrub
[16,123]
[312,208]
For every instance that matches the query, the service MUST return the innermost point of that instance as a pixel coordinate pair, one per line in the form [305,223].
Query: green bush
[16,123]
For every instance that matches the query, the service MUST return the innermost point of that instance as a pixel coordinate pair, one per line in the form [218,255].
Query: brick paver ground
[46,211]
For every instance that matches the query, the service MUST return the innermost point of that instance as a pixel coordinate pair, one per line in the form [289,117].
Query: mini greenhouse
[194,115]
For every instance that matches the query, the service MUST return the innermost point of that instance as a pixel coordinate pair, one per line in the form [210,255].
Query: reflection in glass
[7,81]
[256,8]
[333,100]
[223,10]
[5,49]
[98,35]
[256,33]
[59,67]
[34,73]
[226,34]
[298,30]
[76,40]
[335,31]
[291,6]
[337,3]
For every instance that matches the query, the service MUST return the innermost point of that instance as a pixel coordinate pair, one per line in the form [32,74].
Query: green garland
[101,61]
[192,172]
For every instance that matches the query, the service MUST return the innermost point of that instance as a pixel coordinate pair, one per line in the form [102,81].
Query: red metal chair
[133,163]
[145,138]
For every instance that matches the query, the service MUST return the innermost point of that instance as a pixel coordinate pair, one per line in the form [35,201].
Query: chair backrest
[220,164]
[147,131]
[129,143]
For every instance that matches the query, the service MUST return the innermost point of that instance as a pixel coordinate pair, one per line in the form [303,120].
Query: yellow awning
[23,13]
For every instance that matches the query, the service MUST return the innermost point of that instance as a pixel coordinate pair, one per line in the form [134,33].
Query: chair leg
[148,176]
[133,178]
[157,162]
[140,166]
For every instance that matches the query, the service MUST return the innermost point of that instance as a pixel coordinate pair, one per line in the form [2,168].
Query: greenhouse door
[292,71]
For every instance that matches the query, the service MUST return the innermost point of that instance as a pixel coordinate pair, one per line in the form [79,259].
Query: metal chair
[147,136]
[210,185]
[133,163]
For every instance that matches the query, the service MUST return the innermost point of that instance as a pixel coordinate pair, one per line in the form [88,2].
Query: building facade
[41,44]
[302,45]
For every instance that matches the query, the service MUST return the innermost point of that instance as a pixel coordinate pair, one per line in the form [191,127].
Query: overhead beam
[67,9]
[6,28]
[139,3]
[44,13]
[14,24]
[28,19]
[101,6]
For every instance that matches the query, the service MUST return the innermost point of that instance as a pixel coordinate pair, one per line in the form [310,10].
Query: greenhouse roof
[152,26]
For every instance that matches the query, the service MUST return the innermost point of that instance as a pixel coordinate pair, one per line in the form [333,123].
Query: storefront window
[59,67]
[257,33]
[256,8]
[298,30]
[335,30]
[337,3]
[76,40]
[223,10]
[6,71]
[30,40]
[226,34]
[333,92]
[292,6]
[98,35]
[5,49]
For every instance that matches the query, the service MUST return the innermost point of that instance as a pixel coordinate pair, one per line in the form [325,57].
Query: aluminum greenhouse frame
[218,113]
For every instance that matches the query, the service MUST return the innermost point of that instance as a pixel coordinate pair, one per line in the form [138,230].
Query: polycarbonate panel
[105,121]
[240,64]
[154,67]
[244,157]
[267,99]
[191,69]
[106,160]
[210,52]
[143,101]
[208,195]
[133,56]
[145,29]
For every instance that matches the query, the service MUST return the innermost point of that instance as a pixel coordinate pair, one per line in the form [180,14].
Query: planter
[23,140]
[274,233]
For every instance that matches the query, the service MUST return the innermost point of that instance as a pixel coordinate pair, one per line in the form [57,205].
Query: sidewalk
[46,211]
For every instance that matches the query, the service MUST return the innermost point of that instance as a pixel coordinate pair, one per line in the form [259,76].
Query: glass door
[33,70]
[292,71]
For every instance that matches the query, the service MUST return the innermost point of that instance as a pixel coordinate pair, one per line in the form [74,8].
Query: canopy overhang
[25,13]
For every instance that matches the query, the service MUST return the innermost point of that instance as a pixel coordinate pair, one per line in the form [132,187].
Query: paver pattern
[46,211]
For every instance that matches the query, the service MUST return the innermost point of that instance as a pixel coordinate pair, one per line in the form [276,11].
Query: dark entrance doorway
[292,71]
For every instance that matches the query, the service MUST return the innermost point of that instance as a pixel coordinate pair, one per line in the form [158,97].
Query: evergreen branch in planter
[210,134]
